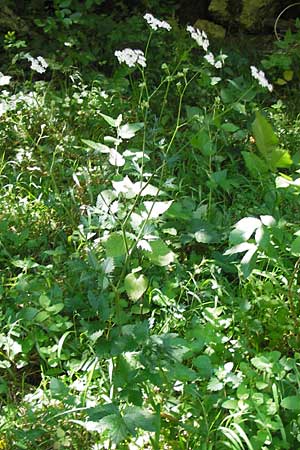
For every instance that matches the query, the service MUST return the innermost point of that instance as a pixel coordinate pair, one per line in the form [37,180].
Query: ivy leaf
[135,285]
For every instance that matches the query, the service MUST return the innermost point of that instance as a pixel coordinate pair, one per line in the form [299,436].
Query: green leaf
[135,285]
[160,255]
[115,245]
[292,402]
[267,143]
[229,127]
[129,130]
[112,122]
[295,247]
[58,388]
[115,426]
[155,209]
[244,229]
[255,165]
[101,148]
[262,363]
[136,417]
[203,364]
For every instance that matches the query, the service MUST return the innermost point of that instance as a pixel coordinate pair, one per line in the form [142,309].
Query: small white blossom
[131,57]
[37,64]
[211,60]
[155,24]
[199,36]
[4,79]
[260,76]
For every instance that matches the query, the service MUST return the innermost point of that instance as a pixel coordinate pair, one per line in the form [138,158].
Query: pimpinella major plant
[140,345]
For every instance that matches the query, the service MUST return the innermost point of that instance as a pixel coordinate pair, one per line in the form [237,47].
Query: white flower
[155,24]
[37,64]
[199,36]
[211,60]
[4,79]
[131,57]
[261,78]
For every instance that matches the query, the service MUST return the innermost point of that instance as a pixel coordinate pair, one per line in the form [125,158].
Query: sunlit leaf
[135,285]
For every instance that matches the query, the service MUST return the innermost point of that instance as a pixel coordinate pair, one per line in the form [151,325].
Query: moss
[255,11]
[219,10]
[213,30]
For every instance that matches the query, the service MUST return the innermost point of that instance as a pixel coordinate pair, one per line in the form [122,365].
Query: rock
[213,30]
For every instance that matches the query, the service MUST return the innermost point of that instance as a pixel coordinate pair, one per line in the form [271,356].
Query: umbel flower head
[37,64]
[131,57]
[155,24]
[199,36]
[4,79]
[260,76]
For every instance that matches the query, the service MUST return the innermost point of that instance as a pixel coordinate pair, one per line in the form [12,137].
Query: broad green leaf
[295,247]
[44,301]
[267,143]
[115,245]
[248,261]
[112,122]
[161,255]
[203,364]
[230,404]
[288,75]
[292,402]
[229,127]
[116,427]
[244,229]
[262,363]
[135,285]
[58,388]
[255,165]
[155,209]
[128,130]
[136,417]
[115,158]
[264,135]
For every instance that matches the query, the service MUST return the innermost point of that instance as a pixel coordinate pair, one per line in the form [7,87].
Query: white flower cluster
[260,76]
[202,40]
[155,24]
[131,57]
[11,102]
[37,64]
[4,79]
[211,60]
[199,36]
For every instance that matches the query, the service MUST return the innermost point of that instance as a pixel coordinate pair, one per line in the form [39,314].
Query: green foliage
[149,254]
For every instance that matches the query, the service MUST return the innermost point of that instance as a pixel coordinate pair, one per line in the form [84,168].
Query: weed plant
[149,253]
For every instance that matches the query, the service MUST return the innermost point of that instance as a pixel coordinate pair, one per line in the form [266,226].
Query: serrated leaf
[115,245]
[135,285]
[136,417]
[161,255]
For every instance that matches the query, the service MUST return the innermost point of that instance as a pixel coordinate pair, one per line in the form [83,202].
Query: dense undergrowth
[149,251]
